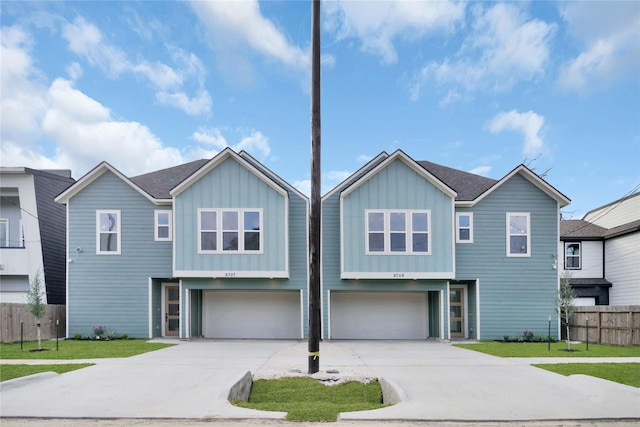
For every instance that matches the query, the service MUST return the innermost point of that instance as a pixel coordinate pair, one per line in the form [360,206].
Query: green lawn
[306,399]
[79,349]
[623,373]
[558,349]
[9,372]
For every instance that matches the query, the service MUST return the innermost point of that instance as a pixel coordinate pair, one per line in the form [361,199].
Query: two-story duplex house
[214,248]
[32,233]
[601,252]
[412,250]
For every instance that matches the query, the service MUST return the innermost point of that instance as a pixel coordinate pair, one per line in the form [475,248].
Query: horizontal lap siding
[516,293]
[112,290]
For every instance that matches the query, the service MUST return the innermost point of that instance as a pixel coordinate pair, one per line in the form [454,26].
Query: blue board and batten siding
[399,187]
[516,293]
[227,186]
[113,290]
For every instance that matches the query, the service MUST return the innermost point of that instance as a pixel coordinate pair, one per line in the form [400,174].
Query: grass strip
[78,349]
[9,372]
[308,400]
[623,373]
[558,349]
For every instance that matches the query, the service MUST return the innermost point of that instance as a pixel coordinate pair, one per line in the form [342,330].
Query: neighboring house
[413,250]
[214,248]
[601,253]
[32,233]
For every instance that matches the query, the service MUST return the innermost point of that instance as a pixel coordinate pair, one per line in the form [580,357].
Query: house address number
[398,275]
[230,274]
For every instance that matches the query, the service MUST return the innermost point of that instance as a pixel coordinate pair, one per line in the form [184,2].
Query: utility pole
[316,208]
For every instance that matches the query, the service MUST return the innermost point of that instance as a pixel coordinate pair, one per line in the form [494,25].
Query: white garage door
[378,315]
[252,314]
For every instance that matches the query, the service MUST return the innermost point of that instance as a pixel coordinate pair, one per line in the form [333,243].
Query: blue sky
[479,86]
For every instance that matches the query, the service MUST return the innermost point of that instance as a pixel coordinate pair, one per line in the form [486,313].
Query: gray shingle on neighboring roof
[468,186]
[579,228]
[159,183]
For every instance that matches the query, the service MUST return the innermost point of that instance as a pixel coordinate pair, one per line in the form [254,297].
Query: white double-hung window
[230,230]
[518,234]
[162,226]
[464,227]
[108,232]
[396,232]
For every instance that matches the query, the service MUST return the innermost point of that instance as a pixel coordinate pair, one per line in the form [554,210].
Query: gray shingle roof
[468,186]
[578,228]
[159,183]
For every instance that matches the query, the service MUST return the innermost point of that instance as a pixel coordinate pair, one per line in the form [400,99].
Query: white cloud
[337,176]
[363,158]
[233,27]
[481,170]
[255,143]
[86,40]
[609,33]
[529,124]
[379,24]
[503,48]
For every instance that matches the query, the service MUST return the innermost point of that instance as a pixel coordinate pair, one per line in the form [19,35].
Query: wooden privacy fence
[608,324]
[11,315]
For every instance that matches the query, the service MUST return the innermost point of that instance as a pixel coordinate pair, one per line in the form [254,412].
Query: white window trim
[118,233]
[5,221]
[387,231]
[508,226]
[156,224]
[579,267]
[241,231]
[458,215]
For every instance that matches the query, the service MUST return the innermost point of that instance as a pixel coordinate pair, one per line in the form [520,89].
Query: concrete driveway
[440,382]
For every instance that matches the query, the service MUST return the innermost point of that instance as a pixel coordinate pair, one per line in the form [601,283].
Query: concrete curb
[392,394]
[22,381]
[241,389]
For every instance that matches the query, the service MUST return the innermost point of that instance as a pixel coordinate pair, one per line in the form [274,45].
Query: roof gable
[94,174]
[217,160]
[159,183]
[468,186]
[412,164]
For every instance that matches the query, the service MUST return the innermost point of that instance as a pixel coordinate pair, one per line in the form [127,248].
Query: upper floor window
[464,227]
[227,230]
[518,234]
[572,256]
[108,235]
[4,232]
[162,226]
[398,232]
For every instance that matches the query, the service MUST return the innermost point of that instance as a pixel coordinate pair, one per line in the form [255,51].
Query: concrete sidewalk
[440,382]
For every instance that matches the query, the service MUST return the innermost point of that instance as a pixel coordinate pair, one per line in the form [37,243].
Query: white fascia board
[226,274]
[343,184]
[400,155]
[530,176]
[94,174]
[218,159]
[405,275]
[275,176]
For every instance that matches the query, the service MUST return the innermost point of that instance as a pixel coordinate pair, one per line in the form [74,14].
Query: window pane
[398,242]
[456,311]
[464,234]
[230,241]
[252,220]
[208,221]
[108,222]
[376,221]
[420,242]
[229,220]
[464,221]
[208,241]
[398,221]
[518,245]
[251,241]
[573,249]
[174,310]
[108,242]
[518,225]
[4,234]
[376,242]
[163,219]
[455,296]
[163,232]
[420,222]
[456,326]
[573,262]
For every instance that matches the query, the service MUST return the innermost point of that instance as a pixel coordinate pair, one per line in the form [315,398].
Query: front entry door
[172,310]
[456,307]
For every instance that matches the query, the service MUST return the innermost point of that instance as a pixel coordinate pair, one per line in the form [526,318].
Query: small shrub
[77,336]
[109,335]
[124,336]
[505,337]
[527,335]
[99,332]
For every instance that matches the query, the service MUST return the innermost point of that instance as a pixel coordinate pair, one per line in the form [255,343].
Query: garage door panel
[252,314]
[378,315]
